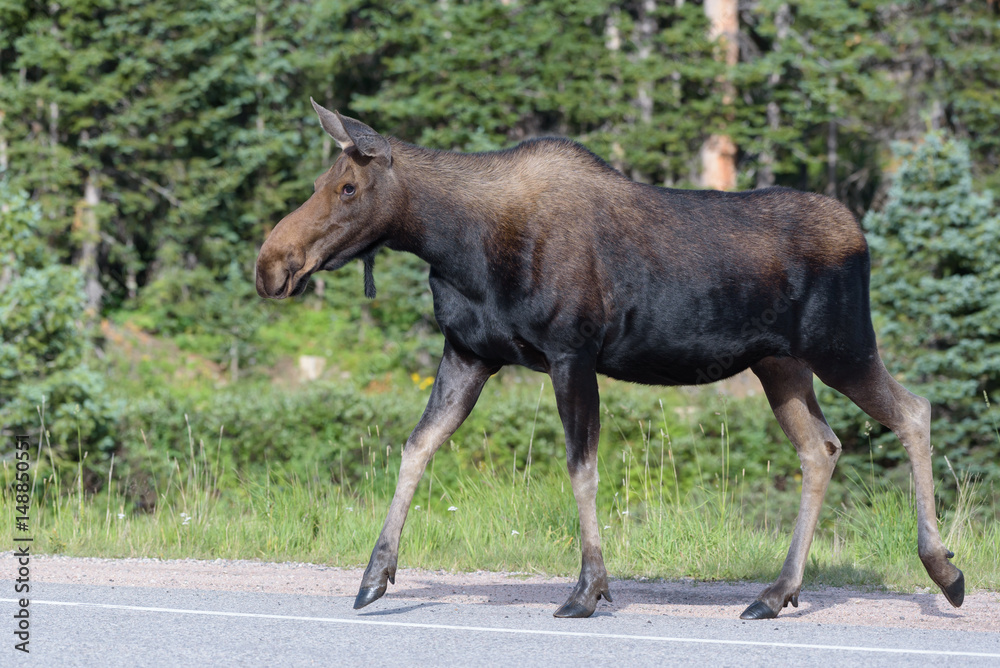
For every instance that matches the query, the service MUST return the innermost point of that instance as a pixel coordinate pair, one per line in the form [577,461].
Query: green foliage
[474,76]
[936,292]
[41,312]
[19,240]
[172,107]
[44,359]
[814,93]
[824,87]
[192,120]
[342,430]
[331,427]
[217,316]
[958,80]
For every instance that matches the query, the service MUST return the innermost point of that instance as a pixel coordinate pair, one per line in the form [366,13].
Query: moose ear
[331,123]
[351,133]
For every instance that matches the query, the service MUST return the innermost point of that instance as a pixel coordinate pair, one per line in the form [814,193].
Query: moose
[544,256]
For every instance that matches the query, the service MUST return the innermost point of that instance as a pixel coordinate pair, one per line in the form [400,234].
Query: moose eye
[348,189]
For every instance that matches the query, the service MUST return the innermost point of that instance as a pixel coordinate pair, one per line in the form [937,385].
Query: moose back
[544,256]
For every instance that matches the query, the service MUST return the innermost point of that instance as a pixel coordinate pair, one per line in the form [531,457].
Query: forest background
[147,149]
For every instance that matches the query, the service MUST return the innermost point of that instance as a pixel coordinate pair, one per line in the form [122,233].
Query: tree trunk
[90,234]
[234,359]
[718,153]
[831,157]
[131,278]
[261,76]
[645,30]
[765,173]
[7,274]
[613,43]
[3,144]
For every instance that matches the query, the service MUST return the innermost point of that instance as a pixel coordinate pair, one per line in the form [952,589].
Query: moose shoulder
[544,256]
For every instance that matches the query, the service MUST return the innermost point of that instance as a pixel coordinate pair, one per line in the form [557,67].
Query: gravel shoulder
[687,598]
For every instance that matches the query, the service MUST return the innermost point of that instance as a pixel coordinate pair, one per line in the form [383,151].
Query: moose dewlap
[544,256]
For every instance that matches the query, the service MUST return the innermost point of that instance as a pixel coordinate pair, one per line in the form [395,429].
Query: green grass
[511,520]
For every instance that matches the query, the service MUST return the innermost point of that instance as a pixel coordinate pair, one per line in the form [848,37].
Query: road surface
[95,612]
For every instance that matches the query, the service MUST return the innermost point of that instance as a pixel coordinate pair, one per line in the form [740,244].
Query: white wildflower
[452,509]
[515,532]
[121,516]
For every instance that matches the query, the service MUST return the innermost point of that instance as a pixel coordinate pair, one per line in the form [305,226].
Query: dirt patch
[825,605]
[137,346]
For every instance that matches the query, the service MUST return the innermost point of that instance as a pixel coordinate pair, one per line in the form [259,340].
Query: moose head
[348,216]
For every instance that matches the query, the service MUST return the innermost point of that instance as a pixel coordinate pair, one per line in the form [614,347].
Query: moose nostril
[271,285]
[284,285]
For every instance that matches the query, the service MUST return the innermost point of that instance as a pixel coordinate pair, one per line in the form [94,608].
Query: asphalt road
[88,625]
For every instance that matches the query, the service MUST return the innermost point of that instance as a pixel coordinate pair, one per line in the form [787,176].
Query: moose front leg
[459,381]
[575,384]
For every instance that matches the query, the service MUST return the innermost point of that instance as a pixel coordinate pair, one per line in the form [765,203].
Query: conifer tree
[936,292]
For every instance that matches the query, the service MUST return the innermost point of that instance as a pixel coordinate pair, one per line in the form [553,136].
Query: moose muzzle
[280,275]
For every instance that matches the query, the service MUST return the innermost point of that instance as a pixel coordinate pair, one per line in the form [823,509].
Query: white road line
[494,629]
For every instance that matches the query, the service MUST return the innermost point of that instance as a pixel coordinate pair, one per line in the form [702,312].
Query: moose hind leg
[878,394]
[459,381]
[575,386]
[788,385]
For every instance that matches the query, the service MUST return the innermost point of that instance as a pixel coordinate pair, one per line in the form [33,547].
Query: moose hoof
[758,610]
[368,594]
[583,601]
[574,609]
[955,592]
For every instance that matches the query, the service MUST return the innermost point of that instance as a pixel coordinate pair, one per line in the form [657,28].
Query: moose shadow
[674,596]
[400,611]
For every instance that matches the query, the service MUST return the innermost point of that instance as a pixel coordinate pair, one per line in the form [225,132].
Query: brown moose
[544,256]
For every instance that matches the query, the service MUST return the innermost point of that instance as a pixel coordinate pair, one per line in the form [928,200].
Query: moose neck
[456,205]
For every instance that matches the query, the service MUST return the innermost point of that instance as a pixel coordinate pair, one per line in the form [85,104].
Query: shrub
[45,347]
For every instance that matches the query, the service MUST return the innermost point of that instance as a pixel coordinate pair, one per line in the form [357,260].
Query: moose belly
[653,367]
[709,345]
[688,340]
